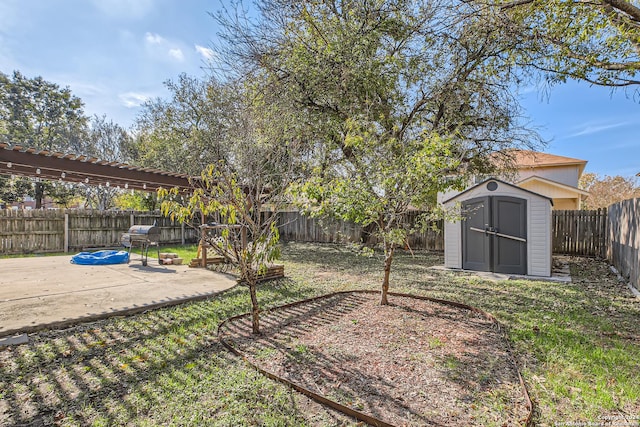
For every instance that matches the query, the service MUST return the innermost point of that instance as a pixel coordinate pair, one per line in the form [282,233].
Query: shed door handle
[507,236]
[495,233]
[480,230]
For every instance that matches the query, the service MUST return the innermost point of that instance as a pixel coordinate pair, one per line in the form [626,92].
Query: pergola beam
[57,166]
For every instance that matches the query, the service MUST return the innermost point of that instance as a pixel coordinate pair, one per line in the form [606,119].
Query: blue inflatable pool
[100,258]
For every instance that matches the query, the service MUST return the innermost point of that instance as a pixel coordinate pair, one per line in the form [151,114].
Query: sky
[116,54]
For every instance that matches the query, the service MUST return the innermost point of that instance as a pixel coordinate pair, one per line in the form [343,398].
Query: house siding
[563,198]
[566,204]
[554,192]
[568,175]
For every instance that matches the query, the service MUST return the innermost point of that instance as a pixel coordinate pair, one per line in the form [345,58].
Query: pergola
[56,166]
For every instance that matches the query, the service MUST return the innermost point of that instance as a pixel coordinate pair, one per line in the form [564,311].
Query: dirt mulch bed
[414,362]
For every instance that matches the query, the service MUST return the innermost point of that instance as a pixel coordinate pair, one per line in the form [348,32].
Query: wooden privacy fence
[624,239]
[38,231]
[26,231]
[295,227]
[580,232]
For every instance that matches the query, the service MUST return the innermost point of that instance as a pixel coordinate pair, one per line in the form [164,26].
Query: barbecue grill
[143,236]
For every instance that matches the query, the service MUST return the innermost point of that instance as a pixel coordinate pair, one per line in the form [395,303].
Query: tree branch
[625,6]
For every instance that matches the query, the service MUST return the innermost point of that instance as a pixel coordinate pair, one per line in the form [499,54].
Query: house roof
[528,158]
[554,184]
[501,182]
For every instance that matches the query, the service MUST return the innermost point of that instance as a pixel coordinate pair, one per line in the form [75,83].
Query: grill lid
[140,233]
[148,230]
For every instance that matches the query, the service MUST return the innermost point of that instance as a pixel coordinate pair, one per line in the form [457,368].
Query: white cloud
[176,54]
[205,52]
[161,48]
[591,128]
[153,38]
[133,99]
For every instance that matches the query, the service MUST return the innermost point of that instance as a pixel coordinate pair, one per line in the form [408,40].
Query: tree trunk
[388,259]
[255,309]
[39,193]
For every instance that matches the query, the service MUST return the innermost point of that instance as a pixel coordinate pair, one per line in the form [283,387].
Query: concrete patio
[50,292]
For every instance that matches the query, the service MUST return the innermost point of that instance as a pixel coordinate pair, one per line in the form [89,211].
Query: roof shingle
[529,158]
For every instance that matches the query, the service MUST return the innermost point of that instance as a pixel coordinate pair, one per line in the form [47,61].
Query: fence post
[182,233]
[606,243]
[66,232]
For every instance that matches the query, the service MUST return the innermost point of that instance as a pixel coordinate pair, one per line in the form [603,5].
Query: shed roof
[501,182]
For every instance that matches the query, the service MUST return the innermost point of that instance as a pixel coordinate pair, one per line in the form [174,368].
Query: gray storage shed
[503,229]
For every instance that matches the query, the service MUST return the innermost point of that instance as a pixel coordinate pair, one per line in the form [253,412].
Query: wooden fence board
[295,227]
[624,239]
[579,232]
[29,231]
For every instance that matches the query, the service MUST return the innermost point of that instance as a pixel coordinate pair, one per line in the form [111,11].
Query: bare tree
[243,192]
[607,190]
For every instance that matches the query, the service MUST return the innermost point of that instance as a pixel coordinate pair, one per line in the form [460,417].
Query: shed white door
[494,235]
